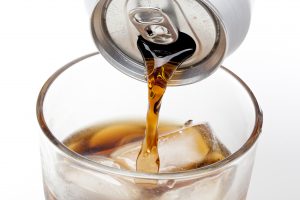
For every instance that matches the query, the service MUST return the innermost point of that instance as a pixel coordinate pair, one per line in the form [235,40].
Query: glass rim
[203,171]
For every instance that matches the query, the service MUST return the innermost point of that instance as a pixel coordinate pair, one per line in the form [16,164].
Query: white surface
[39,36]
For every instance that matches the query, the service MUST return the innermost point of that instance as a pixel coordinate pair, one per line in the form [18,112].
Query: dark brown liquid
[104,140]
[161,61]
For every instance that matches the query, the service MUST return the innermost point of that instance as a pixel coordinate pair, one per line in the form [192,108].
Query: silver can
[217,26]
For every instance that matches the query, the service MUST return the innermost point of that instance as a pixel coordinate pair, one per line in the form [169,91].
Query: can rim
[97,167]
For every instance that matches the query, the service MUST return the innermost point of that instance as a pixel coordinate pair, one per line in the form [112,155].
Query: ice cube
[188,148]
[84,184]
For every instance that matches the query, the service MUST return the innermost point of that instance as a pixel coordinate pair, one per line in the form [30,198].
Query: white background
[39,36]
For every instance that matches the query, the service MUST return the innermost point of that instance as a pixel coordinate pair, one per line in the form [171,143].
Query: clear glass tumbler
[89,91]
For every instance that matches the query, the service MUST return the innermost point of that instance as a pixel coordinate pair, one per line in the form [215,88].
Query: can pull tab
[154,25]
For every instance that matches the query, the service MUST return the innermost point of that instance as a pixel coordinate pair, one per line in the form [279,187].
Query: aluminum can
[217,26]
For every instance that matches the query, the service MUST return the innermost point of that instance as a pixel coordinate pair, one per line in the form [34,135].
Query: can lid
[115,35]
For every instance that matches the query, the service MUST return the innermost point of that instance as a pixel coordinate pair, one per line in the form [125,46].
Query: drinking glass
[89,91]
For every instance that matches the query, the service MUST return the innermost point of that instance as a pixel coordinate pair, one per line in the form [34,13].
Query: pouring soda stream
[161,62]
[163,49]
